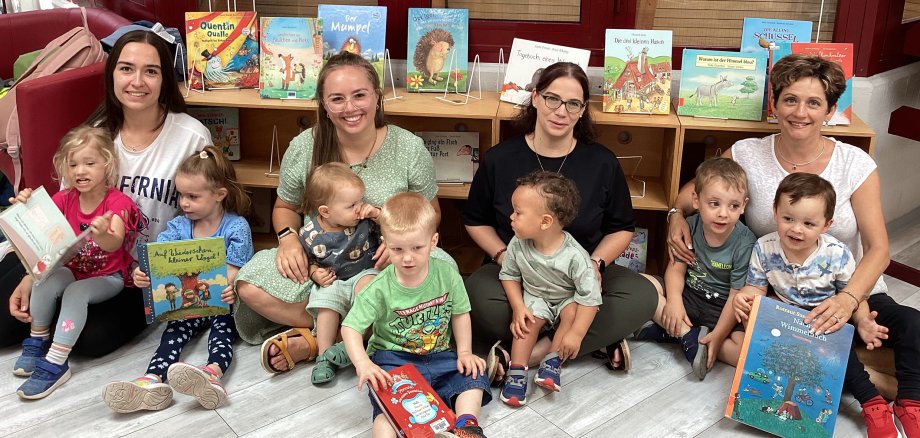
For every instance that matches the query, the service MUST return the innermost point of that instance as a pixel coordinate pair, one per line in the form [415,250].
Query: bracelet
[670,212]
[498,254]
[853,297]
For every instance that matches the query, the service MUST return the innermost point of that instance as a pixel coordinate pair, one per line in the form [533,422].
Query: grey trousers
[75,295]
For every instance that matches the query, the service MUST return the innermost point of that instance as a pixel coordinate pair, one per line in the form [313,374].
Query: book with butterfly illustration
[291,53]
[527,61]
[411,405]
[788,381]
[186,278]
[438,49]
[724,85]
[357,29]
[224,124]
[223,49]
[455,155]
[40,235]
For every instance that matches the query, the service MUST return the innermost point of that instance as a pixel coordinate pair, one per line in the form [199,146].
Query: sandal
[497,359]
[608,354]
[323,371]
[280,340]
[337,355]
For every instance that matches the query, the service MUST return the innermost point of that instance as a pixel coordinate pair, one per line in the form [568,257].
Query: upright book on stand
[724,85]
[842,54]
[438,50]
[637,71]
[635,255]
[223,49]
[527,61]
[774,37]
[412,406]
[357,29]
[788,381]
[455,155]
[186,278]
[292,54]
[224,124]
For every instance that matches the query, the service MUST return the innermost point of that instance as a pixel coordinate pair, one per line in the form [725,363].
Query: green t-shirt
[415,320]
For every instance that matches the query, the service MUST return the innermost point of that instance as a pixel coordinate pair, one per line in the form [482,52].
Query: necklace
[566,157]
[363,165]
[795,166]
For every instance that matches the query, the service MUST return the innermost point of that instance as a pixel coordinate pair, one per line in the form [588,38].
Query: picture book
[528,59]
[774,37]
[223,48]
[725,85]
[186,278]
[788,381]
[40,235]
[842,54]
[635,255]
[637,71]
[356,29]
[455,155]
[438,49]
[412,407]
[291,50]
[224,124]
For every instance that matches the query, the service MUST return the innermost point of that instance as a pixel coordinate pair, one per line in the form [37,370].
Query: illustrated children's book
[725,85]
[438,49]
[788,381]
[455,155]
[635,255]
[842,54]
[774,37]
[412,407]
[223,48]
[291,50]
[357,29]
[40,234]
[527,61]
[186,278]
[637,71]
[224,124]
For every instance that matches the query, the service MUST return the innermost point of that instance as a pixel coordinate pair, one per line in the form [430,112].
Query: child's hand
[19,300]
[742,305]
[368,211]
[228,295]
[470,363]
[381,257]
[369,372]
[714,341]
[519,322]
[569,346]
[323,277]
[871,332]
[140,278]
[674,317]
[22,196]
[100,224]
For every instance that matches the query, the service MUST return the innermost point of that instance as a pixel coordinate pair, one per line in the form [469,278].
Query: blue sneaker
[651,331]
[549,374]
[46,378]
[33,349]
[697,354]
[514,393]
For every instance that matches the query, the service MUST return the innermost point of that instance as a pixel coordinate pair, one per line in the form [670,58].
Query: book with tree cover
[725,85]
[291,51]
[186,278]
[412,406]
[637,71]
[223,48]
[788,381]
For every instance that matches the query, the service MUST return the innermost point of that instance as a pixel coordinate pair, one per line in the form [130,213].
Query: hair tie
[160,31]
[203,155]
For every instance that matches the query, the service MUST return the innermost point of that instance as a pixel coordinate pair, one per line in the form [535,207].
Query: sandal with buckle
[497,358]
[280,340]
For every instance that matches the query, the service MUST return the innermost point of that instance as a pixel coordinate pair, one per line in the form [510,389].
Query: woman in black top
[559,138]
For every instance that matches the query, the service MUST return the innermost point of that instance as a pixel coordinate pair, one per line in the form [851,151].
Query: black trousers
[904,337]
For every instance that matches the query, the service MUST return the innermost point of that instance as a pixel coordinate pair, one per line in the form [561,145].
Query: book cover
[788,382]
[774,37]
[357,29]
[635,255]
[186,278]
[726,85]
[223,47]
[455,155]
[413,408]
[637,71]
[842,54]
[528,59]
[437,37]
[291,50]
[224,124]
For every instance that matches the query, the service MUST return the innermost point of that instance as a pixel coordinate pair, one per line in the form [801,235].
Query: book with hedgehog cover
[437,39]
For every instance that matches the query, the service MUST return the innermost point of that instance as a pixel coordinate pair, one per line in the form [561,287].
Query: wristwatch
[284,232]
[601,264]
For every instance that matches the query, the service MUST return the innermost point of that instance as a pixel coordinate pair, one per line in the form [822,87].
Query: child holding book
[805,266]
[549,280]
[415,307]
[695,311]
[212,203]
[340,239]
[87,165]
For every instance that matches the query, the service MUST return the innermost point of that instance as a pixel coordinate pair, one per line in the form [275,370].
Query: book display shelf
[670,146]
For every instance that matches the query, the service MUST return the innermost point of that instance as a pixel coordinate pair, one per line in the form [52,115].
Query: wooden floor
[658,398]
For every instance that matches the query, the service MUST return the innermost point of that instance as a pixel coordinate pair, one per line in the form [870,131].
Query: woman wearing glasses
[559,137]
[274,286]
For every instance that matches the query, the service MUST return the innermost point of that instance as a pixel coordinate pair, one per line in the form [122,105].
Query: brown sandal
[495,360]
[608,353]
[280,340]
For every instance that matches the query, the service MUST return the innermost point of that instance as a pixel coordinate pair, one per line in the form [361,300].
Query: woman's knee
[251,294]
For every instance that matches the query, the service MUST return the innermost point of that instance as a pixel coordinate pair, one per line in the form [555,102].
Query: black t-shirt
[605,203]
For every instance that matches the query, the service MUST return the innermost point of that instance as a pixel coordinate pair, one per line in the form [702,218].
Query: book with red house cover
[223,49]
[412,406]
[842,54]
[637,71]
[788,381]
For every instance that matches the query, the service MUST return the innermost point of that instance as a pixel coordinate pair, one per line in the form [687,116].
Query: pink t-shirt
[92,261]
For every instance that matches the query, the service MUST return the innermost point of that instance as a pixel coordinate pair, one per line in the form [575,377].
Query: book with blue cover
[788,382]
[718,84]
[291,53]
[774,37]
[357,29]
[437,39]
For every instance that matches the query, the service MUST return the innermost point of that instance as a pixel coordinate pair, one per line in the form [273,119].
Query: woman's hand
[674,317]
[382,256]
[519,321]
[22,196]
[228,295]
[19,300]
[830,315]
[291,260]
[140,278]
[871,332]
[680,241]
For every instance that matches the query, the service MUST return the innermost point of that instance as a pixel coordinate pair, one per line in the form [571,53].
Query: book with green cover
[724,85]
[291,50]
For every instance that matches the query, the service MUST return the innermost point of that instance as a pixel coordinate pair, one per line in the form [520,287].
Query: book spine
[144,263]
[739,369]
[386,411]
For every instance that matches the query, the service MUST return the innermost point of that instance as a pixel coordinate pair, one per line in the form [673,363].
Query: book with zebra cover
[723,85]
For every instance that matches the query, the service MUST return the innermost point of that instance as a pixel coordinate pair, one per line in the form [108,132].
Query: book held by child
[411,405]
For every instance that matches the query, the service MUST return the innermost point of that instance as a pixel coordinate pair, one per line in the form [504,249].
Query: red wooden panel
[903,122]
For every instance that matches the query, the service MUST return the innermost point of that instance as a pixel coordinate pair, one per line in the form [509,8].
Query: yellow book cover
[223,49]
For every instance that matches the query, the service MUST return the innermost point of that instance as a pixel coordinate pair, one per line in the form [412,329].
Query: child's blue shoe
[549,374]
[651,331]
[697,354]
[44,380]
[514,393]
[33,349]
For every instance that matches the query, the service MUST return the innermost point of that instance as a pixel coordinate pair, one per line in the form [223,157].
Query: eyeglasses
[554,102]
[339,103]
